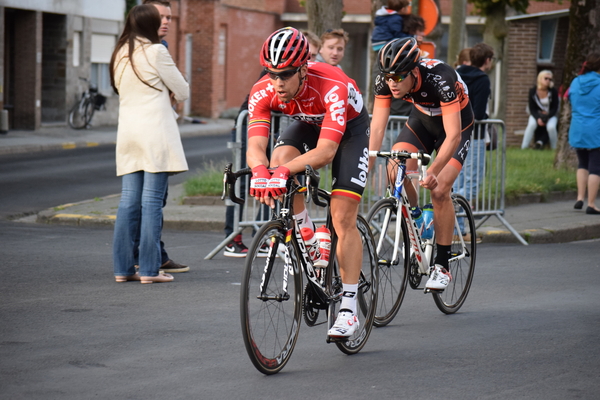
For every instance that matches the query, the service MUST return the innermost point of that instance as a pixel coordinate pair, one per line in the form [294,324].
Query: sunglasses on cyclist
[396,78]
[283,75]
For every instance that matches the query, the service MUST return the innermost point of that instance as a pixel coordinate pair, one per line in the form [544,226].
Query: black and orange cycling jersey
[438,91]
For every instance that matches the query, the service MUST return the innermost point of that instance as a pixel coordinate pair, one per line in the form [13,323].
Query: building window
[547,37]
[76,48]
[102,48]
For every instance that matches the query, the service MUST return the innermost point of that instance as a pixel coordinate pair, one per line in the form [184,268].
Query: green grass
[527,171]
[206,182]
[532,171]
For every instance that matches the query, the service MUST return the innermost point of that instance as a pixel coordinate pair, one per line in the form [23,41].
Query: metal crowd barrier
[488,200]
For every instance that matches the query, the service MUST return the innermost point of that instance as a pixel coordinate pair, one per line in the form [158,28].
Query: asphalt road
[529,329]
[32,182]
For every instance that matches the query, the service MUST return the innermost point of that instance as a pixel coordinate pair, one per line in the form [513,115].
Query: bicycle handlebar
[402,155]
[230,177]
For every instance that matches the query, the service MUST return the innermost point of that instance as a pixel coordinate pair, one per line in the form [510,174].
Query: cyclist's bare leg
[344,211]
[442,204]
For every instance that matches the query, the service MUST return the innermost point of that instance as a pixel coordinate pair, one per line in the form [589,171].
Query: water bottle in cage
[427,221]
[323,235]
[417,216]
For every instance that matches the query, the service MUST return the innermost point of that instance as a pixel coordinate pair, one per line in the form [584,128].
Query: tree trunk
[456,36]
[324,14]
[494,34]
[584,37]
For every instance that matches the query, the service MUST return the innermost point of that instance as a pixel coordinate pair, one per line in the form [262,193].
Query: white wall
[101,9]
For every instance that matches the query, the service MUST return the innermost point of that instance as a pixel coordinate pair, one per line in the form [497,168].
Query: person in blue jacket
[584,132]
[389,23]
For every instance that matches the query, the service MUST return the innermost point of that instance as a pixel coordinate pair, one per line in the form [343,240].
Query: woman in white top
[543,106]
[149,147]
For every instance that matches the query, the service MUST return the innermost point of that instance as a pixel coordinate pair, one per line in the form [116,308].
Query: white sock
[349,297]
[304,220]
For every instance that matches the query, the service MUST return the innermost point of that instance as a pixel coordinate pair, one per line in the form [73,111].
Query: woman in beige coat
[149,146]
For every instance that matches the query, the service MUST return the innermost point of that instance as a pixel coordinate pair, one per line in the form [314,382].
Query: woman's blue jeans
[139,218]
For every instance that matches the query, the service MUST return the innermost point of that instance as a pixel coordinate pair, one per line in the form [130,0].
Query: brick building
[45,47]
[535,42]
[215,43]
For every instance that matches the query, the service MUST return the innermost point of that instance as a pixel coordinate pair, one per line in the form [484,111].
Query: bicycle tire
[90,109]
[270,326]
[462,269]
[77,115]
[393,276]
[366,296]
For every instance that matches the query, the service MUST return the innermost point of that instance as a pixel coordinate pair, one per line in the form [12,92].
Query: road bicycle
[81,114]
[273,299]
[405,256]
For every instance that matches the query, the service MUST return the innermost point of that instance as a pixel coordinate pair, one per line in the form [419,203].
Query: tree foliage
[488,7]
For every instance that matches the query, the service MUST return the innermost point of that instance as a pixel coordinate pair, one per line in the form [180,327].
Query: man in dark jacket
[478,83]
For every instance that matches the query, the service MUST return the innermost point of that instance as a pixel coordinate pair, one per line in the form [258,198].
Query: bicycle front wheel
[462,258]
[367,292]
[271,300]
[382,220]
[79,116]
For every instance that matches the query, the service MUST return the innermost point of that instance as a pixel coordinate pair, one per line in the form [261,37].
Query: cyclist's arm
[381,113]
[256,153]
[170,75]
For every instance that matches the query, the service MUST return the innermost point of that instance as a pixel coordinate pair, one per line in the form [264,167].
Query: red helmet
[286,47]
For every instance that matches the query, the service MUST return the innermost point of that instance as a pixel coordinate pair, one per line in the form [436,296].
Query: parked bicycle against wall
[273,298]
[406,249]
[81,114]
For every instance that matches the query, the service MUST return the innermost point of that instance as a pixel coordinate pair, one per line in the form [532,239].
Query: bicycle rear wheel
[382,220]
[271,317]
[367,293]
[462,259]
[81,114]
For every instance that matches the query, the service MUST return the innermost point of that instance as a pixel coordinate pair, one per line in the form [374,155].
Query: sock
[349,297]
[304,220]
[443,255]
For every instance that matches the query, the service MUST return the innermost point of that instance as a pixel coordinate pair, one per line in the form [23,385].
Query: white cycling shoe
[439,278]
[345,325]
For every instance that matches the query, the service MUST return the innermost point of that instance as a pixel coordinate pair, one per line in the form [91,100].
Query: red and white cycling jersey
[328,99]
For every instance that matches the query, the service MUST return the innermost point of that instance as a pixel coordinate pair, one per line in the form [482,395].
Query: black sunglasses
[283,75]
[396,78]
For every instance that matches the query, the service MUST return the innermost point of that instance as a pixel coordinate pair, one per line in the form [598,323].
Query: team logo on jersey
[337,109]
[363,166]
[430,63]
[282,106]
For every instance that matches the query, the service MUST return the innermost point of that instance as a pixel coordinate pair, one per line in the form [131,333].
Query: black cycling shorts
[351,162]
[427,133]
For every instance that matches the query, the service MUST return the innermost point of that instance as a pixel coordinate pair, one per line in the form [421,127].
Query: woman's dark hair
[592,63]
[142,20]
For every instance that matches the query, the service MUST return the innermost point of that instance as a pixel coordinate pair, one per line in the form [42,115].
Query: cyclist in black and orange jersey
[442,120]
[331,127]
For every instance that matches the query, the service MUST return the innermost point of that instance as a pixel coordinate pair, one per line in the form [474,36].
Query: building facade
[45,47]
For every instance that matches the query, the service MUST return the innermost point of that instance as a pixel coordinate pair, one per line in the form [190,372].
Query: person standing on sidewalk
[164,9]
[475,77]
[149,147]
[584,132]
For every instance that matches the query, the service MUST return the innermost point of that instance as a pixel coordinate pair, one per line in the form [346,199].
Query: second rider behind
[331,127]
[442,120]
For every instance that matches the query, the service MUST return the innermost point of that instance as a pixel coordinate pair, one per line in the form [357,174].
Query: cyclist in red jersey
[442,120]
[331,127]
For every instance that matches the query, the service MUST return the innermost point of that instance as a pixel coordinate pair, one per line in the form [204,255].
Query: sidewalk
[538,222]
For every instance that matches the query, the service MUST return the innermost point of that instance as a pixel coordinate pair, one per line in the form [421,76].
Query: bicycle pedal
[428,290]
[337,339]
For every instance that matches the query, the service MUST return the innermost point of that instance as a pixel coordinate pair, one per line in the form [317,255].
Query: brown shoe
[172,267]
[160,278]
[127,278]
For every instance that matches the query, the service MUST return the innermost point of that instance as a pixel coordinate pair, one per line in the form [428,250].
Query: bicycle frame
[422,248]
